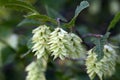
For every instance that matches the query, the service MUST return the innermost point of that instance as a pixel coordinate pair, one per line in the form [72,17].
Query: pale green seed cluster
[36,69]
[103,68]
[40,39]
[77,49]
[58,43]
[64,44]
[61,44]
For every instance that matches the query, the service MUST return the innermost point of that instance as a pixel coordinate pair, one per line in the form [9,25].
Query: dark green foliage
[54,14]
[99,45]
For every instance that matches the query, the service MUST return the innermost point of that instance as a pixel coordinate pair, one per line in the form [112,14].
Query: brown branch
[89,35]
[77,59]
[93,35]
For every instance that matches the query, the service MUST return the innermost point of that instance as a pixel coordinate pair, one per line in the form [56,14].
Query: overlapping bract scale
[77,48]
[57,41]
[59,44]
[63,44]
[103,68]
[40,39]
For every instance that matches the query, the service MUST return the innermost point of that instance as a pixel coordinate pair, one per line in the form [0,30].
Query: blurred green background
[14,37]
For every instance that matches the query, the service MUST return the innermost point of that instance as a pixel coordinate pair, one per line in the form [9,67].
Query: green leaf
[99,45]
[99,48]
[17,4]
[28,22]
[114,21]
[82,6]
[54,14]
[42,18]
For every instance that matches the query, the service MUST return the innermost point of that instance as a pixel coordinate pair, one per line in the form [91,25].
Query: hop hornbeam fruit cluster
[61,44]
[76,41]
[36,69]
[103,68]
[40,40]
[58,43]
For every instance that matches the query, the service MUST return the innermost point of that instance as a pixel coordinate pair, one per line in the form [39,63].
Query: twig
[61,20]
[93,35]
[77,59]
[58,21]
[25,54]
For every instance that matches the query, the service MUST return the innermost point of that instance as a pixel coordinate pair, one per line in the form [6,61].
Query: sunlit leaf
[114,21]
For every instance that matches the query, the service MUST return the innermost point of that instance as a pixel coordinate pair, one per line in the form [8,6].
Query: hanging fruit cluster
[61,44]
[105,67]
[58,43]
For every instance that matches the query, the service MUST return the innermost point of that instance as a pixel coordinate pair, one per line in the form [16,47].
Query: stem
[77,59]
[93,35]
[25,54]
[58,21]
[90,35]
